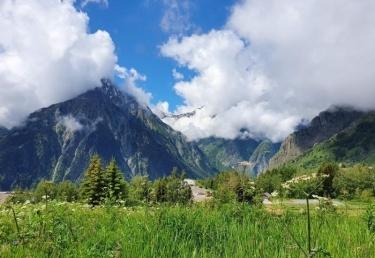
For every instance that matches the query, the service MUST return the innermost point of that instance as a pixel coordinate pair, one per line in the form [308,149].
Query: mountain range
[57,142]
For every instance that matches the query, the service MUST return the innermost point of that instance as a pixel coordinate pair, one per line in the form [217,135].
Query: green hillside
[356,144]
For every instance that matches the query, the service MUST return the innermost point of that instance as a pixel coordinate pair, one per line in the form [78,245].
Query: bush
[351,182]
[234,186]
[140,189]
[67,191]
[20,196]
[172,189]
[271,180]
[45,190]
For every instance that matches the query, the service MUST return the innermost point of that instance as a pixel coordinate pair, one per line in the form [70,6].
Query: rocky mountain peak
[56,142]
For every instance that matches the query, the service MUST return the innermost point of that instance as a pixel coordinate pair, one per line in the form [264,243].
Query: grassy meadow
[61,229]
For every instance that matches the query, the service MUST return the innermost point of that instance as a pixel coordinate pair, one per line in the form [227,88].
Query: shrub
[351,182]
[45,190]
[234,186]
[140,188]
[67,191]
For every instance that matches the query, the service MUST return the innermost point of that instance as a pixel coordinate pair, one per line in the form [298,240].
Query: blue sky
[135,28]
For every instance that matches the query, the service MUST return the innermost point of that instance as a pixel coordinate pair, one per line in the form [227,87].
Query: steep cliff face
[56,142]
[321,128]
[260,158]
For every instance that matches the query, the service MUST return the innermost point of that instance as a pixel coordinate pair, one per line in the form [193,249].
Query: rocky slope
[56,142]
[321,128]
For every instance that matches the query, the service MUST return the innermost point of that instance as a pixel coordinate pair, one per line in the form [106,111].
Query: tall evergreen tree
[116,187]
[93,184]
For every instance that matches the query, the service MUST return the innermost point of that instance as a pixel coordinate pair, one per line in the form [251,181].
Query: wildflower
[275,194]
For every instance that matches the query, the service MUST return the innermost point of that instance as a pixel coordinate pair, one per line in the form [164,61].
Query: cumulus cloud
[47,55]
[274,64]
[131,77]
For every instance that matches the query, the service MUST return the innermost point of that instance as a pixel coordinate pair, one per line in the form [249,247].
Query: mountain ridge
[56,142]
[321,128]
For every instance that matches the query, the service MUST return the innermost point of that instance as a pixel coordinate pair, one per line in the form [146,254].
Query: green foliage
[140,189]
[228,230]
[330,170]
[93,183]
[19,196]
[271,180]
[233,186]
[172,189]
[370,218]
[45,190]
[351,182]
[67,191]
[115,185]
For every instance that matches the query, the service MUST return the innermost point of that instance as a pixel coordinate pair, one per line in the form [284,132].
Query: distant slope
[353,144]
[226,153]
[56,142]
[261,156]
[321,128]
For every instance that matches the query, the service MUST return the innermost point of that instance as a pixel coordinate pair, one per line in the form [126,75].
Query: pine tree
[115,183]
[93,184]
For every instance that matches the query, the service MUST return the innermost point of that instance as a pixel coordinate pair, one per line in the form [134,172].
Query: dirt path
[299,202]
[3,196]
[199,194]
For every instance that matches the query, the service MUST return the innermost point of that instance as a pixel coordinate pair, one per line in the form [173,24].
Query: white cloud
[176,17]
[47,55]
[274,64]
[161,109]
[70,123]
[102,2]
[130,78]
[177,75]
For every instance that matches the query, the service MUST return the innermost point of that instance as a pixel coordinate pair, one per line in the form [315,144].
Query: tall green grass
[75,230]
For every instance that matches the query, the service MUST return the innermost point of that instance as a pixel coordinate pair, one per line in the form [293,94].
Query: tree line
[107,185]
